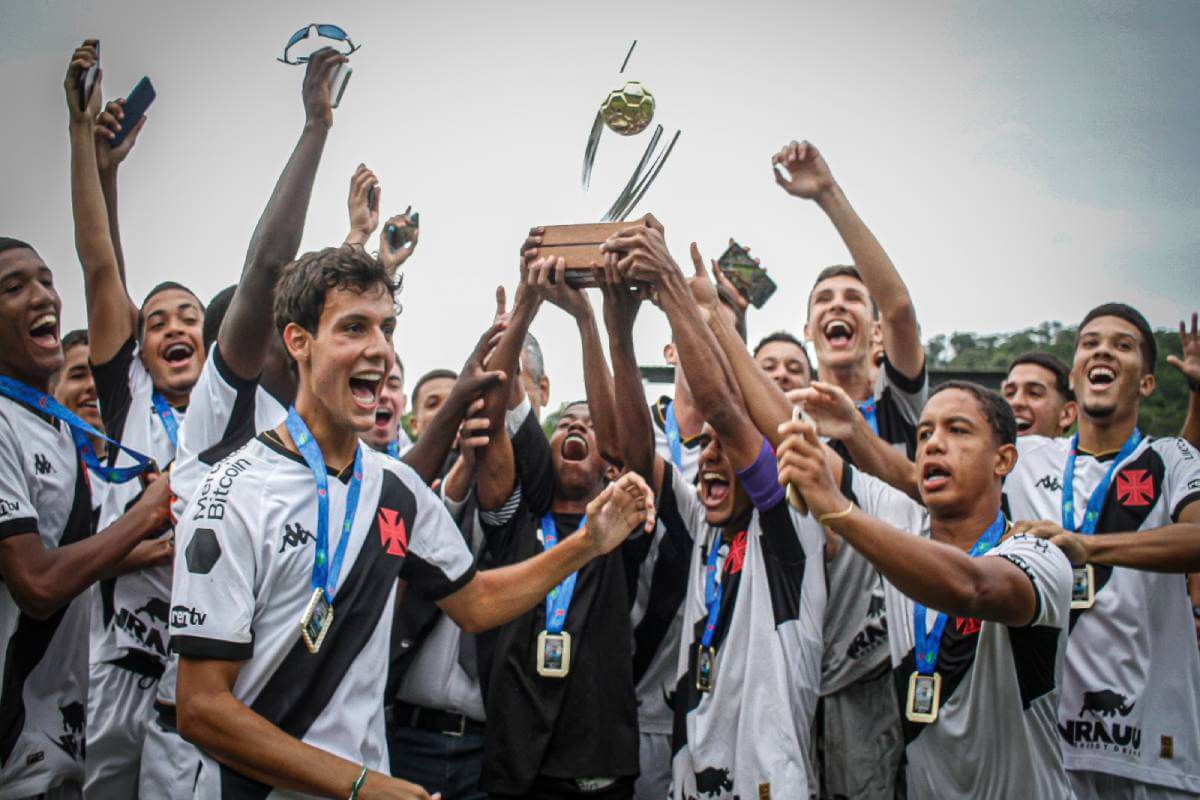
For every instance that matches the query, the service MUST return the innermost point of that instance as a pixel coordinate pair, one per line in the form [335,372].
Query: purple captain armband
[761,479]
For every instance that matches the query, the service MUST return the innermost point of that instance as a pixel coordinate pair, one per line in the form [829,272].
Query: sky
[1020,162]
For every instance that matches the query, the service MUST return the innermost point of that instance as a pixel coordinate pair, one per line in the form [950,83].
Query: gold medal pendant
[553,654]
[924,697]
[706,668]
[316,621]
[1083,587]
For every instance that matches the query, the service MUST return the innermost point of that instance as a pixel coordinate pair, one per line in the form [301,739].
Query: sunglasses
[332,32]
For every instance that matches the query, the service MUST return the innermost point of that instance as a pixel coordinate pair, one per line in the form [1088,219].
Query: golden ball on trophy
[628,110]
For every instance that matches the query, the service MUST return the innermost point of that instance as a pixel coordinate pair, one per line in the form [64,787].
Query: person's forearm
[1191,425]
[936,575]
[902,336]
[766,403]
[505,593]
[457,484]
[145,554]
[876,457]
[1172,548]
[598,388]
[635,434]
[233,734]
[275,242]
[108,184]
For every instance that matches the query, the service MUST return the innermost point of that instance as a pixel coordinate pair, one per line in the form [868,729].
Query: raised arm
[247,331]
[934,574]
[1189,365]
[111,313]
[108,160]
[364,206]
[808,176]
[647,260]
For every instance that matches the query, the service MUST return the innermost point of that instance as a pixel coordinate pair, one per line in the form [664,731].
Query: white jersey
[244,561]
[995,732]
[224,413]
[1129,706]
[43,663]
[749,736]
[135,606]
[689,447]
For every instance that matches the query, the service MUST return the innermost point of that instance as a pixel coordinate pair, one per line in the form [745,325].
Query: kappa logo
[392,533]
[1050,483]
[294,536]
[8,507]
[1194,483]
[41,464]
[183,616]
[1135,488]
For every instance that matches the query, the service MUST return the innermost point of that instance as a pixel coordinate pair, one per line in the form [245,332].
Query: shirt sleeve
[17,512]
[1047,569]
[438,563]
[1182,484]
[908,393]
[885,503]
[216,560]
[113,390]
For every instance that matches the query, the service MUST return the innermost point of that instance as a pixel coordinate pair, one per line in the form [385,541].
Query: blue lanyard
[867,407]
[80,431]
[1095,503]
[393,448]
[671,429]
[163,409]
[325,575]
[714,590]
[927,644]
[558,602]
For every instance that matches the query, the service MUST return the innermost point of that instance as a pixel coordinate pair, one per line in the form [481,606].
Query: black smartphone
[135,108]
[371,199]
[401,235]
[746,275]
[87,80]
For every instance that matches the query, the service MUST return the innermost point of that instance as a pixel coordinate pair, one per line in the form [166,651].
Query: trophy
[627,111]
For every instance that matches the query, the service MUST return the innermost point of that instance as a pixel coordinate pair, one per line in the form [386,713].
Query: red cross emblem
[392,533]
[737,554]
[1135,488]
[967,625]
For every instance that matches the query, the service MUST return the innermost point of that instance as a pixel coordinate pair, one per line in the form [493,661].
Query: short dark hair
[1149,347]
[432,375]
[839,270]
[995,409]
[74,338]
[214,315]
[165,286]
[8,243]
[787,338]
[303,284]
[1047,361]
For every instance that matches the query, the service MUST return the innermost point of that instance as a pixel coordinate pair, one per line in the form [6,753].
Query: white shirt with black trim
[244,562]
[43,663]
[135,605]
[1129,703]
[749,736]
[995,732]
[224,413]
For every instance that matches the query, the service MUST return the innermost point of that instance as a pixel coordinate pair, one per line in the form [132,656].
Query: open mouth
[178,354]
[574,448]
[714,489]
[838,333]
[1024,425]
[44,330]
[383,415]
[1101,375]
[934,477]
[364,388]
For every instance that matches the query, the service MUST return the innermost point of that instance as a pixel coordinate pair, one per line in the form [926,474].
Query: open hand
[81,61]
[363,204]
[1073,545]
[623,506]
[108,125]
[829,407]
[802,464]
[546,277]
[801,171]
[1189,364]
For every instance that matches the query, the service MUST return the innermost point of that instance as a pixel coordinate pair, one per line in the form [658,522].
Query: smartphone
[743,272]
[399,235]
[371,199]
[87,80]
[337,83]
[135,107]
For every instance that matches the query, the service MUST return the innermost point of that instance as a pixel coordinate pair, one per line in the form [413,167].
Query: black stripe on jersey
[956,656]
[1034,651]
[32,637]
[784,559]
[668,581]
[300,689]
[16,527]
[1117,516]
[113,393]
[240,427]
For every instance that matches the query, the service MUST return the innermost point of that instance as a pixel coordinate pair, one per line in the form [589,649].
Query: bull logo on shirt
[156,608]
[1135,487]
[392,532]
[1099,727]
[71,741]
[1105,703]
[711,782]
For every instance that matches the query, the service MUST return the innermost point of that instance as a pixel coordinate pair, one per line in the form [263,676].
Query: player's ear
[1067,415]
[298,342]
[1146,385]
[669,353]
[1006,459]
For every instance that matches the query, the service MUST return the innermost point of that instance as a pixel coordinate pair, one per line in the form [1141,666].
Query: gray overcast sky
[1020,161]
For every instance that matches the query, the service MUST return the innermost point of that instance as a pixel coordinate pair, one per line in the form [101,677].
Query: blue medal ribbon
[867,407]
[714,590]
[163,409]
[324,574]
[558,602]
[393,448]
[1091,515]
[674,440]
[927,644]
[81,431]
